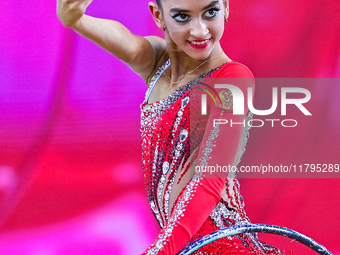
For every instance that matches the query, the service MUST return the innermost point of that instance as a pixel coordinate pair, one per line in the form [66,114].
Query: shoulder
[232,79]
[161,60]
[234,70]
[151,50]
[157,43]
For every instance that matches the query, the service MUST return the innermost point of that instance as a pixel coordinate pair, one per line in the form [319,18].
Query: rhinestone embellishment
[227,99]
[185,102]
[153,206]
[165,167]
[183,135]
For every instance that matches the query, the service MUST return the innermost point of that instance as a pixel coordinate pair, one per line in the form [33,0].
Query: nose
[199,29]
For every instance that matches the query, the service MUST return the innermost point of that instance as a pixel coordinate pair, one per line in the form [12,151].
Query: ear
[226,9]
[156,14]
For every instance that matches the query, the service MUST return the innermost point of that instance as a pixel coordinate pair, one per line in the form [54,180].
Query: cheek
[217,30]
[178,35]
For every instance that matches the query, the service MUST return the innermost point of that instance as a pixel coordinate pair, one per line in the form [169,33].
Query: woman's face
[195,26]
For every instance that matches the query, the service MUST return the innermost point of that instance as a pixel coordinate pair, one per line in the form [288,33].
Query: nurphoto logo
[239,102]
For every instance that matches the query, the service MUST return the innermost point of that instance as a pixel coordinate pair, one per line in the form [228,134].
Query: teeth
[200,43]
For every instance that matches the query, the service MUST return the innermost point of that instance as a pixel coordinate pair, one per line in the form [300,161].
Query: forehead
[191,5]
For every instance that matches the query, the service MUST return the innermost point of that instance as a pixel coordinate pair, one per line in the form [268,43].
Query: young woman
[181,136]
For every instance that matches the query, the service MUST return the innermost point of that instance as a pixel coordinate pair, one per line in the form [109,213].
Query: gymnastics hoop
[249,228]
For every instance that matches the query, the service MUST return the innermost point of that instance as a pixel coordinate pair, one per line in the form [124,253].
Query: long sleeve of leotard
[218,148]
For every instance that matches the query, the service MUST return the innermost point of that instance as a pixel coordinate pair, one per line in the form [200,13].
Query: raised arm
[139,53]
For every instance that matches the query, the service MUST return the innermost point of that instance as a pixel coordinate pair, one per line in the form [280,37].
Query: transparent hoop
[249,228]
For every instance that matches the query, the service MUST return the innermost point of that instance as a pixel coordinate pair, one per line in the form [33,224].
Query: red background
[70,165]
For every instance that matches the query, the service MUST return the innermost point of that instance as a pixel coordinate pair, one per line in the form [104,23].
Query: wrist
[78,25]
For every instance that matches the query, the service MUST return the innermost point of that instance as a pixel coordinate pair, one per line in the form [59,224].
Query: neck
[182,64]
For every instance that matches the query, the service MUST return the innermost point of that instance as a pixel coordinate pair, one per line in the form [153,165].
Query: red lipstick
[199,44]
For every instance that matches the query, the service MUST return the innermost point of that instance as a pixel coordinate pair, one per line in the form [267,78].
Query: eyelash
[216,10]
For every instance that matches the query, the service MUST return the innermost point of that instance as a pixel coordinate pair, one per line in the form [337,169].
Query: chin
[202,55]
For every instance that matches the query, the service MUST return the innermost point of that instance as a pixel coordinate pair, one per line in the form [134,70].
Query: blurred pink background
[70,166]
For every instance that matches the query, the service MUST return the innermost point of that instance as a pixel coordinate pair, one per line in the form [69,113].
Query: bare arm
[139,53]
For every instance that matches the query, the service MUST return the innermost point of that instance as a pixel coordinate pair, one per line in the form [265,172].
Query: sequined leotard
[176,136]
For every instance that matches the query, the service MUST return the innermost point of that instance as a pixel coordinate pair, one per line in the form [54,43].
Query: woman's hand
[71,11]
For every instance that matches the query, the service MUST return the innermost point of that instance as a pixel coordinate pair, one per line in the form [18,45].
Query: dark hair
[160,4]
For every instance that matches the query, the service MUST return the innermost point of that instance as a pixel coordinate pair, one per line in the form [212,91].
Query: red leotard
[176,138]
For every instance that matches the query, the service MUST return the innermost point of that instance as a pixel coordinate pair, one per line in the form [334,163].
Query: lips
[199,44]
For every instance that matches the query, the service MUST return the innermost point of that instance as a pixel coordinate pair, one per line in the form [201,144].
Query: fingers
[71,11]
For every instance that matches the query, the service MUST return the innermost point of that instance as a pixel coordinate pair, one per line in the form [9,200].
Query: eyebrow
[213,3]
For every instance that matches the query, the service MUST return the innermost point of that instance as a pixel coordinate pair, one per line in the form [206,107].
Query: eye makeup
[182,17]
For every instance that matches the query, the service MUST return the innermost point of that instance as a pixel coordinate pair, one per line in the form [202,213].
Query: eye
[180,17]
[212,13]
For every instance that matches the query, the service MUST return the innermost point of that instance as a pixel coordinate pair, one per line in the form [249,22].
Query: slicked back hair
[160,4]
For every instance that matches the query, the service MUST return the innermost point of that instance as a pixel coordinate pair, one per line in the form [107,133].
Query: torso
[170,136]
[156,104]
